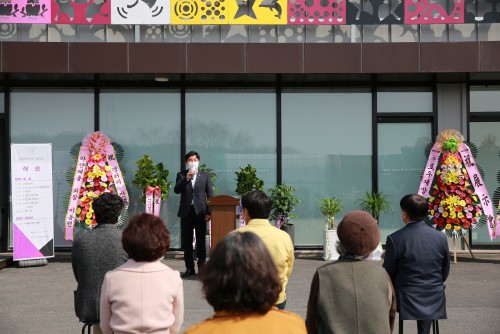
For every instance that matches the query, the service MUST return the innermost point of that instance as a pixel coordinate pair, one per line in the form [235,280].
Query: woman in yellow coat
[242,284]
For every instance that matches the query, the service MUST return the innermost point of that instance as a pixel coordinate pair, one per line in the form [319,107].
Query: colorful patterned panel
[430,12]
[81,12]
[199,11]
[140,11]
[317,12]
[261,12]
[25,11]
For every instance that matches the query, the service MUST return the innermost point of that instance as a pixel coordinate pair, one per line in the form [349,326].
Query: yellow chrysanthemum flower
[88,221]
[448,226]
[91,175]
[88,215]
[96,169]
[453,214]
[445,214]
[91,210]
[438,172]
[97,156]
[460,215]
[107,167]
[432,212]
[462,203]
[457,228]
[78,211]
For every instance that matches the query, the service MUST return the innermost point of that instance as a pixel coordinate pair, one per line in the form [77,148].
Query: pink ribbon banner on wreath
[479,189]
[430,170]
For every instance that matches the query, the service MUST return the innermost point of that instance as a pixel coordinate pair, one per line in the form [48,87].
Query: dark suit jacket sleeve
[209,190]
[390,259]
[446,261]
[180,183]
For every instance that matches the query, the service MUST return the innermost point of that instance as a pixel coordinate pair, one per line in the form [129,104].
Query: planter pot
[376,255]
[330,239]
[290,229]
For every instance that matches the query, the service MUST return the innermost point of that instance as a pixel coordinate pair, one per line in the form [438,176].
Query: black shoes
[188,272]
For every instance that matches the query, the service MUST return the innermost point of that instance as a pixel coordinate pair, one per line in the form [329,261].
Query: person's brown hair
[146,238]
[241,276]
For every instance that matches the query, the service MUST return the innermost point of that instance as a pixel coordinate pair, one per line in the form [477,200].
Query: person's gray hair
[340,248]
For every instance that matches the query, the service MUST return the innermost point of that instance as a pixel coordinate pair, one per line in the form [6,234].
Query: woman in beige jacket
[143,295]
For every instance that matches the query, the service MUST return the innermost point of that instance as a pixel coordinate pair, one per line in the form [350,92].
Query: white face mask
[192,165]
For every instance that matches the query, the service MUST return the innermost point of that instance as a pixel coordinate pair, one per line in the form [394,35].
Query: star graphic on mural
[245,7]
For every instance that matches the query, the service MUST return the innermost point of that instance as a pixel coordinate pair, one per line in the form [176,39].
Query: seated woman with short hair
[143,295]
[242,284]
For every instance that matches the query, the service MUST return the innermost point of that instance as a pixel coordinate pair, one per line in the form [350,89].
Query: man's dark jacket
[94,253]
[202,190]
[418,261]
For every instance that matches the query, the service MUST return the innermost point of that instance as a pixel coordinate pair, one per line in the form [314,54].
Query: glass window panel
[146,123]
[291,34]
[234,33]
[62,118]
[404,102]
[2,105]
[231,129]
[62,32]
[404,33]
[326,152]
[177,33]
[263,34]
[401,159]
[485,99]
[485,136]
[9,31]
[433,33]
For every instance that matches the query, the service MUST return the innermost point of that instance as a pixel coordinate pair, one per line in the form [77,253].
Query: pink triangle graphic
[23,248]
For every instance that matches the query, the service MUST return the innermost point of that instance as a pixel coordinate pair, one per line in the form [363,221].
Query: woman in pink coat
[143,295]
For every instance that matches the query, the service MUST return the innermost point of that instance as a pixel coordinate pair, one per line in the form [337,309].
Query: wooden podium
[223,209]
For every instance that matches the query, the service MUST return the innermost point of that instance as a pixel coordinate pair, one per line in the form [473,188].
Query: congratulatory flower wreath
[456,192]
[97,171]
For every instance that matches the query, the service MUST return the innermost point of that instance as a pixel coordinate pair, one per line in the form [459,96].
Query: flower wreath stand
[456,192]
[96,171]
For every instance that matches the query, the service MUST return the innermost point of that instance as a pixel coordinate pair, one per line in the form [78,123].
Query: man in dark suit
[195,188]
[418,261]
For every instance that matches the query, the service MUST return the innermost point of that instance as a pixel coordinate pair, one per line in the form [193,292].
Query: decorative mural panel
[140,12]
[199,11]
[429,11]
[249,12]
[25,11]
[81,12]
[262,12]
[318,12]
[371,12]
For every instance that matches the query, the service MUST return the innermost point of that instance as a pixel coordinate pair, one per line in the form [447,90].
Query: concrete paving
[40,299]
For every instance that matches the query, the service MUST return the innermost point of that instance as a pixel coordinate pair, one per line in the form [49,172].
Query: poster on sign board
[32,201]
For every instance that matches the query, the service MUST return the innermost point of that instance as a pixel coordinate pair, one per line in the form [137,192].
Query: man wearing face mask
[195,188]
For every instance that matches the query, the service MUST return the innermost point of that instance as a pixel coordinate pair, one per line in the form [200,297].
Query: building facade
[331,110]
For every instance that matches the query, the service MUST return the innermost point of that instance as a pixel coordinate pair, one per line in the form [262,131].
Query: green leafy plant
[329,207]
[375,203]
[284,203]
[150,175]
[211,173]
[247,180]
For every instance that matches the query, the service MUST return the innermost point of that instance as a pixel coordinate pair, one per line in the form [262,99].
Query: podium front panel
[223,222]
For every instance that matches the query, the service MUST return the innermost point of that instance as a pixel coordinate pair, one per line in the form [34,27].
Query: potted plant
[284,203]
[329,207]
[247,180]
[212,174]
[152,180]
[375,203]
